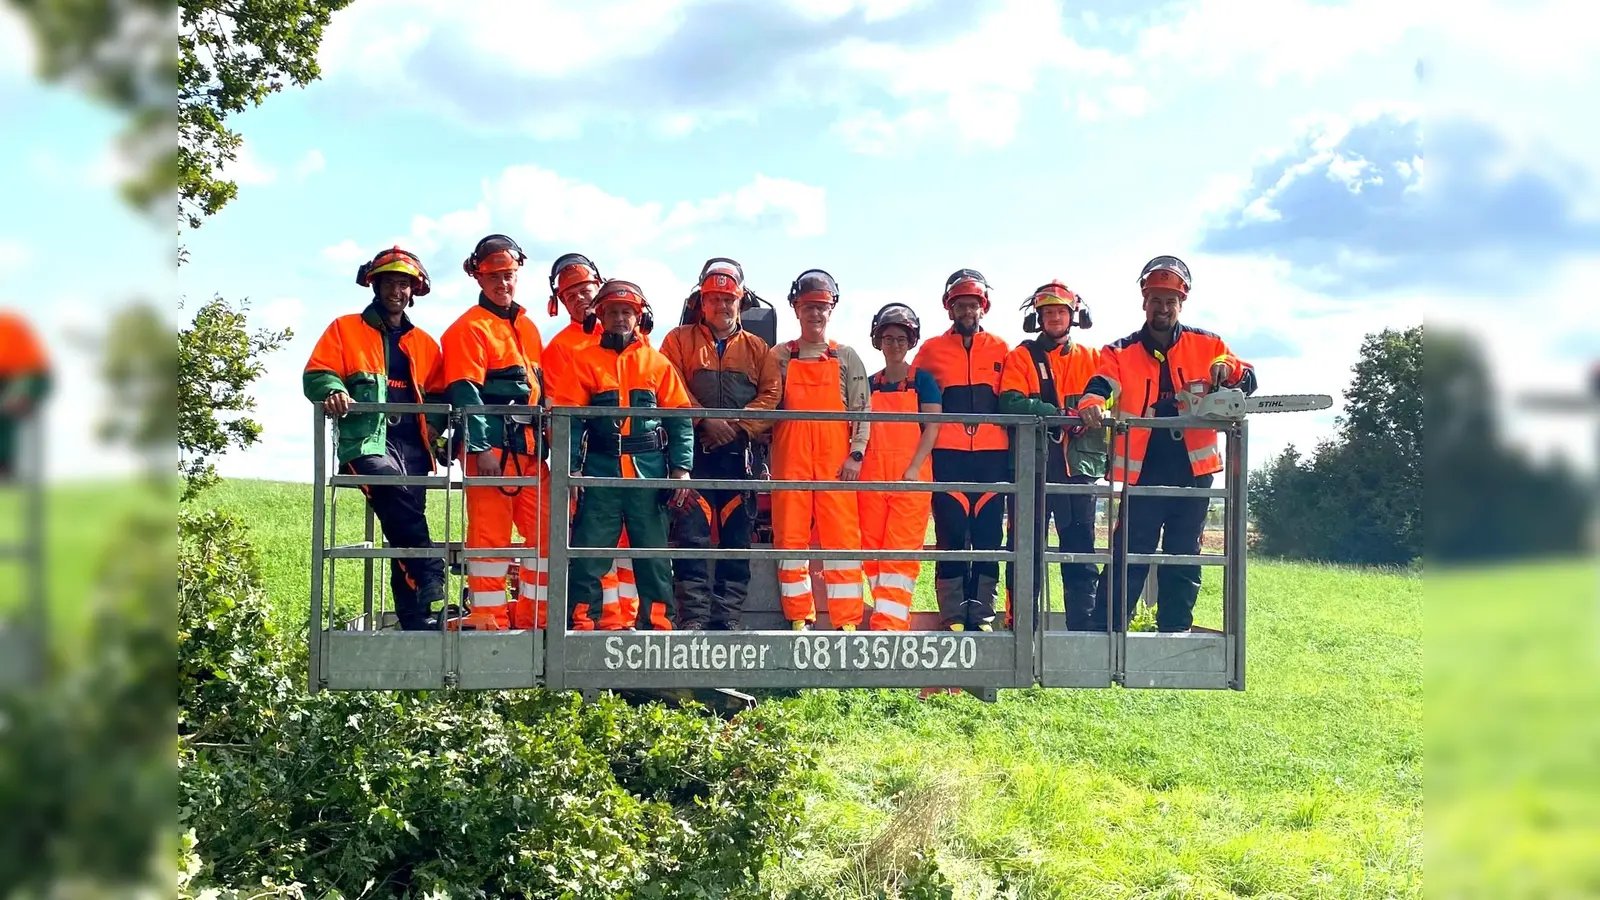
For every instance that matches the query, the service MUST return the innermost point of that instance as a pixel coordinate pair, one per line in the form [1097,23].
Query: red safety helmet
[570,270]
[966,283]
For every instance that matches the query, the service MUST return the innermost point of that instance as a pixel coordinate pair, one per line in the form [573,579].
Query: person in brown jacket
[725,367]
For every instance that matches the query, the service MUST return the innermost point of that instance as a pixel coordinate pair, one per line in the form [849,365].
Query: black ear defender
[500,242]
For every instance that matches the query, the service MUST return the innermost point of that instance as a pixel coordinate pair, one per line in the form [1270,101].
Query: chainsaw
[1232,403]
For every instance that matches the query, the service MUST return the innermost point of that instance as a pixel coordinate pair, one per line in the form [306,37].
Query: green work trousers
[602,513]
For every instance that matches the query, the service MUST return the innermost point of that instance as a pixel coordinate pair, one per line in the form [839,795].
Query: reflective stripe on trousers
[814,451]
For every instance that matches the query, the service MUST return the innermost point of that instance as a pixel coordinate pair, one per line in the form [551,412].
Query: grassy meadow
[1309,784]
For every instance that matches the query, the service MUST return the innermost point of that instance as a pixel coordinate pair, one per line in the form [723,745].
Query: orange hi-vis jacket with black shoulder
[743,376]
[492,356]
[1136,374]
[1072,365]
[969,382]
[352,356]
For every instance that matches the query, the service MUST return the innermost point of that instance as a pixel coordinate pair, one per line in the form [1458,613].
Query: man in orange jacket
[574,281]
[492,356]
[1044,377]
[820,375]
[24,384]
[379,356]
[1143,372]
[624,372]
[724,367]
[966,361]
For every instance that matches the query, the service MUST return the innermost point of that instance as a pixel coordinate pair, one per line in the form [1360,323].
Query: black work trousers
[1177,524]
[402,511]
[1073,515]
[966,591]
[721,519]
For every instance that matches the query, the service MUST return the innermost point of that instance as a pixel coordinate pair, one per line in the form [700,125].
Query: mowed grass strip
[1308,784]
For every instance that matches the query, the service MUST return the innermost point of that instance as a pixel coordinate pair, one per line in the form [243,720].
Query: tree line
[1359,496]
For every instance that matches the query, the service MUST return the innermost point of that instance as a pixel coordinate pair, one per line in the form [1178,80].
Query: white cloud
[310,164]
[13,256]
[1275,37]
[1129,99]
[537,206]
[246,168]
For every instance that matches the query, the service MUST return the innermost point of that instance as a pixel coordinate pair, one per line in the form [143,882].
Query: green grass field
[1309,784]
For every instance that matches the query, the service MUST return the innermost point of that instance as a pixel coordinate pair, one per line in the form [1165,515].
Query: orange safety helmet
[570,270]
[966,283]
[1167,272]
[814,285]
[722,276]
[616,289]
[495,253]
[395,260]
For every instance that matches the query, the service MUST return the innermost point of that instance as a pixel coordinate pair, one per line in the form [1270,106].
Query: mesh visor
[574,274]
[816,286]
[615,290]
[722,278]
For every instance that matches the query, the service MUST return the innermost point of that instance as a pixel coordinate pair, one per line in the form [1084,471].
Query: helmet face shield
[721,277]
[896,314]
[1167,272]
[966,283]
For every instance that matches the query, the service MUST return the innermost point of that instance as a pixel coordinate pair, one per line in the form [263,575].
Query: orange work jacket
[1072,365]
[492,356]
[352,356]
[1131,373]
[969,382]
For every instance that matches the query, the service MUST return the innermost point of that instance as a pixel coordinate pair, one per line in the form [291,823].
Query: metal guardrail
[24,626]
[360,656]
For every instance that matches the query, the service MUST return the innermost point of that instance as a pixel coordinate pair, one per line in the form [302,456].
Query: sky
[1277,146]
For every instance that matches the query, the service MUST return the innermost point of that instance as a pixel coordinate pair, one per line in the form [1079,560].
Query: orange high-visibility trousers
[814,451]
[491,513]
[897,520]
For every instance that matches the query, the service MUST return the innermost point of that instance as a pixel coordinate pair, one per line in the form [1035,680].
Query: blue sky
[1277,145]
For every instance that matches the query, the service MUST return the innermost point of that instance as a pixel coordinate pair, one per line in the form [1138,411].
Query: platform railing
[24,619]
[363,655]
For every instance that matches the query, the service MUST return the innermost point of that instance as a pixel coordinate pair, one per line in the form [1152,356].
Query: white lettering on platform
[813,652]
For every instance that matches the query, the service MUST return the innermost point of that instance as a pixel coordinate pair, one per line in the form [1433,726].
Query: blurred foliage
[1358,498]
[123,53]
[1486,499]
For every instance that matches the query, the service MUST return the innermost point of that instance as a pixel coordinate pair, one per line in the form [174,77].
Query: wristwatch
[857,455]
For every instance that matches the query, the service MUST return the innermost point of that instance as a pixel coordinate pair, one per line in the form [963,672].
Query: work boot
[800,624]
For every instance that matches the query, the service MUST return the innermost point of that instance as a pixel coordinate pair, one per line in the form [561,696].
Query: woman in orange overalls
[822,376]
[897,451]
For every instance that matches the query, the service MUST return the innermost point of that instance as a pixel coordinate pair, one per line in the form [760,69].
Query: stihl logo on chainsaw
[1231,403]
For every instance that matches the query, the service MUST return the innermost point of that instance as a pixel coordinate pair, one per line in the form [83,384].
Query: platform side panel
[383,660]
[816,659]
[1076,659]
[1198,661]
[503,660]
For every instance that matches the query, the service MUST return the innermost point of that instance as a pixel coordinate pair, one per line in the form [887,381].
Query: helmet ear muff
[553,308]
[1081,318]
[1030,323]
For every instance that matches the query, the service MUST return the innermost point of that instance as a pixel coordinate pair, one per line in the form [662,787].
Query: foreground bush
[525,794]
